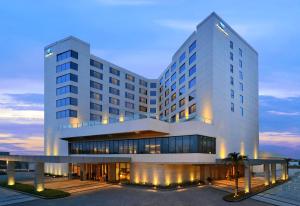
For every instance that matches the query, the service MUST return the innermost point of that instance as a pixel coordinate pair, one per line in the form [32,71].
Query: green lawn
[47,193]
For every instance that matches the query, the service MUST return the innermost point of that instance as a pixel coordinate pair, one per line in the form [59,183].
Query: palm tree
[235,159]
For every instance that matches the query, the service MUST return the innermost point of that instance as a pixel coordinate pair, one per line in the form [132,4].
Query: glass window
[167,92]
[181,79]
[166,102]
[241,99]
[231,56]
[192,46]
[130,77]
[173,107]
[96,85]
[67,89]
[129,86]
[181,102]
[167,74]
[96,64]
[95,117]
[129,95]
[232,93]
[172,144]
[152,110]
[173,96]
[143,83]
[192,82]
[143,100]
[232,107]
[182,114]
[231,68]
[114,91]
[240,52]
[95,106]
[66,113]
[173,87]
[95,74]
[192,95]
[240,63]
[181,68]
[143,91]
[129,105]
[152,101]
[192,70]
[182,90]
[231,45]
[241,86]
[173,77]
[185,144]
[173,67]
[66,66]
[192,59]
[114,101]
[114,71]
[153,93]
[241,75]
[152,85]
[179,144]
[167,83]
[242,111]
[192,109]
[181,57]
[67,54]
[114,81]
[231,81]
[142,108]
[66,101]
[66,78]
[113,110]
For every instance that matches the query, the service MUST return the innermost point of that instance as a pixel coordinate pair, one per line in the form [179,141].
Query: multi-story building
[203,106]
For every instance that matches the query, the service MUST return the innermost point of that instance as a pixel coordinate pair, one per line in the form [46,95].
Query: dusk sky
[142,35]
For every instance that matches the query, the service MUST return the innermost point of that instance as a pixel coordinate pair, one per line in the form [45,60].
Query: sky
[142,35]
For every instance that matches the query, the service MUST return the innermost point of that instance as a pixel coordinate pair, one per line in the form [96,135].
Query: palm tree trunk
[236,178]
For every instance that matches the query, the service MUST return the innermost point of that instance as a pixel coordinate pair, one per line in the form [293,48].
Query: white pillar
[273,173]
[39,176]
[267,174]
[10,172]
[284,171]
[247,178]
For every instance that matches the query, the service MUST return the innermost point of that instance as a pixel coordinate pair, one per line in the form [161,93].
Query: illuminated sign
[49,52]
[221,26]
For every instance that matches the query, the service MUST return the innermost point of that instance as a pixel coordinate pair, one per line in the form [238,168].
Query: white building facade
[203,106]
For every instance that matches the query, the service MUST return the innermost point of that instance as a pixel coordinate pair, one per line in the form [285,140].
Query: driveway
[9,197]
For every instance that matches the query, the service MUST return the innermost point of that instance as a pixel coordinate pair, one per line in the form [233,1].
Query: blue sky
[142,35]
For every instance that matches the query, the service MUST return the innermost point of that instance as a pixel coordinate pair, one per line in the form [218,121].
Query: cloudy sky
[142,35]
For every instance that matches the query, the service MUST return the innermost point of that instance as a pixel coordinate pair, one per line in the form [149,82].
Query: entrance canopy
[64,159]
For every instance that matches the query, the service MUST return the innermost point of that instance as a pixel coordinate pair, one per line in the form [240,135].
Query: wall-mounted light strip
[222,27]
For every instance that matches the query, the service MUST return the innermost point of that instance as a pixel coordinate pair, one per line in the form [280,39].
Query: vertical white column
[267,174]
[273,173]
[284,171]
[247,178]
[10,173]
[39,176]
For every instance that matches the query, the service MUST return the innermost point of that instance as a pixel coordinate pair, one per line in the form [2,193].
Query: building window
[66,101]
[152,101]
[143,91]
[129,115]
[129,86]
[173,77]
[192,82]
[181,57]
[192,109]
[143,83]
[67,89]
[242,111]
[66,54]
[167,83]
[181,68]
[173,107]
[114,71]
[173,87]
[129,105]
[167,112]
[152,85]
[167,92]
[129,95]
[66,66]
[181,79]
[114,101]
[113,110]
[192,59]
[66,78]
[143,100]
[241,75]
[130,77]
[231,56]
[241,99]
[182,114]
[231,45]
[192,70]
[114,91]
[232,107]
[96,96]
[96,85]
[96,64]
[167,102]
[167,74]
[173,97]
[240,52]
[152,93]
[114,81]
[95,106]
[192,46]
[241,86]
[182,90]
[95,117]
[142,108]
[152,110]
[66,113]
[231,81]
[181,102]
[95,74]
[232,93]
[173,67]
[192,95]
[240,63]
[231,68]
[173,118]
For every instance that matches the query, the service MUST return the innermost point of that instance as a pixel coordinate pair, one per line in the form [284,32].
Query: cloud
[127,2]
[287,139]
[5,135]
[183,25]
[284,113]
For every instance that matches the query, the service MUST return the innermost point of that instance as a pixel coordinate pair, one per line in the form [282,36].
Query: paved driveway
[9,197]
[130,196]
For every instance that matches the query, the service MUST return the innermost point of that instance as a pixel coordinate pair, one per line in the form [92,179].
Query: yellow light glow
[242,149]
[55,149]
[192,178]
[105,121]
[121,118]
[186,113]
[247,190]
[137,179]
[222,150]
[255,152]
[206,112]
[179,179]
[11,181]
[168,180]
[40,188]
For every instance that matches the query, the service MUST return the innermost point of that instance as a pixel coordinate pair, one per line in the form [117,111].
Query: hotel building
[173,128]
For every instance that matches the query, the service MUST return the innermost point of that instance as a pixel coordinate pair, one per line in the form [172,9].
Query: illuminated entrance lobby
[202,106]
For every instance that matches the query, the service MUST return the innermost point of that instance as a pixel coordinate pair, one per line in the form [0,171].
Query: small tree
[235,159]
